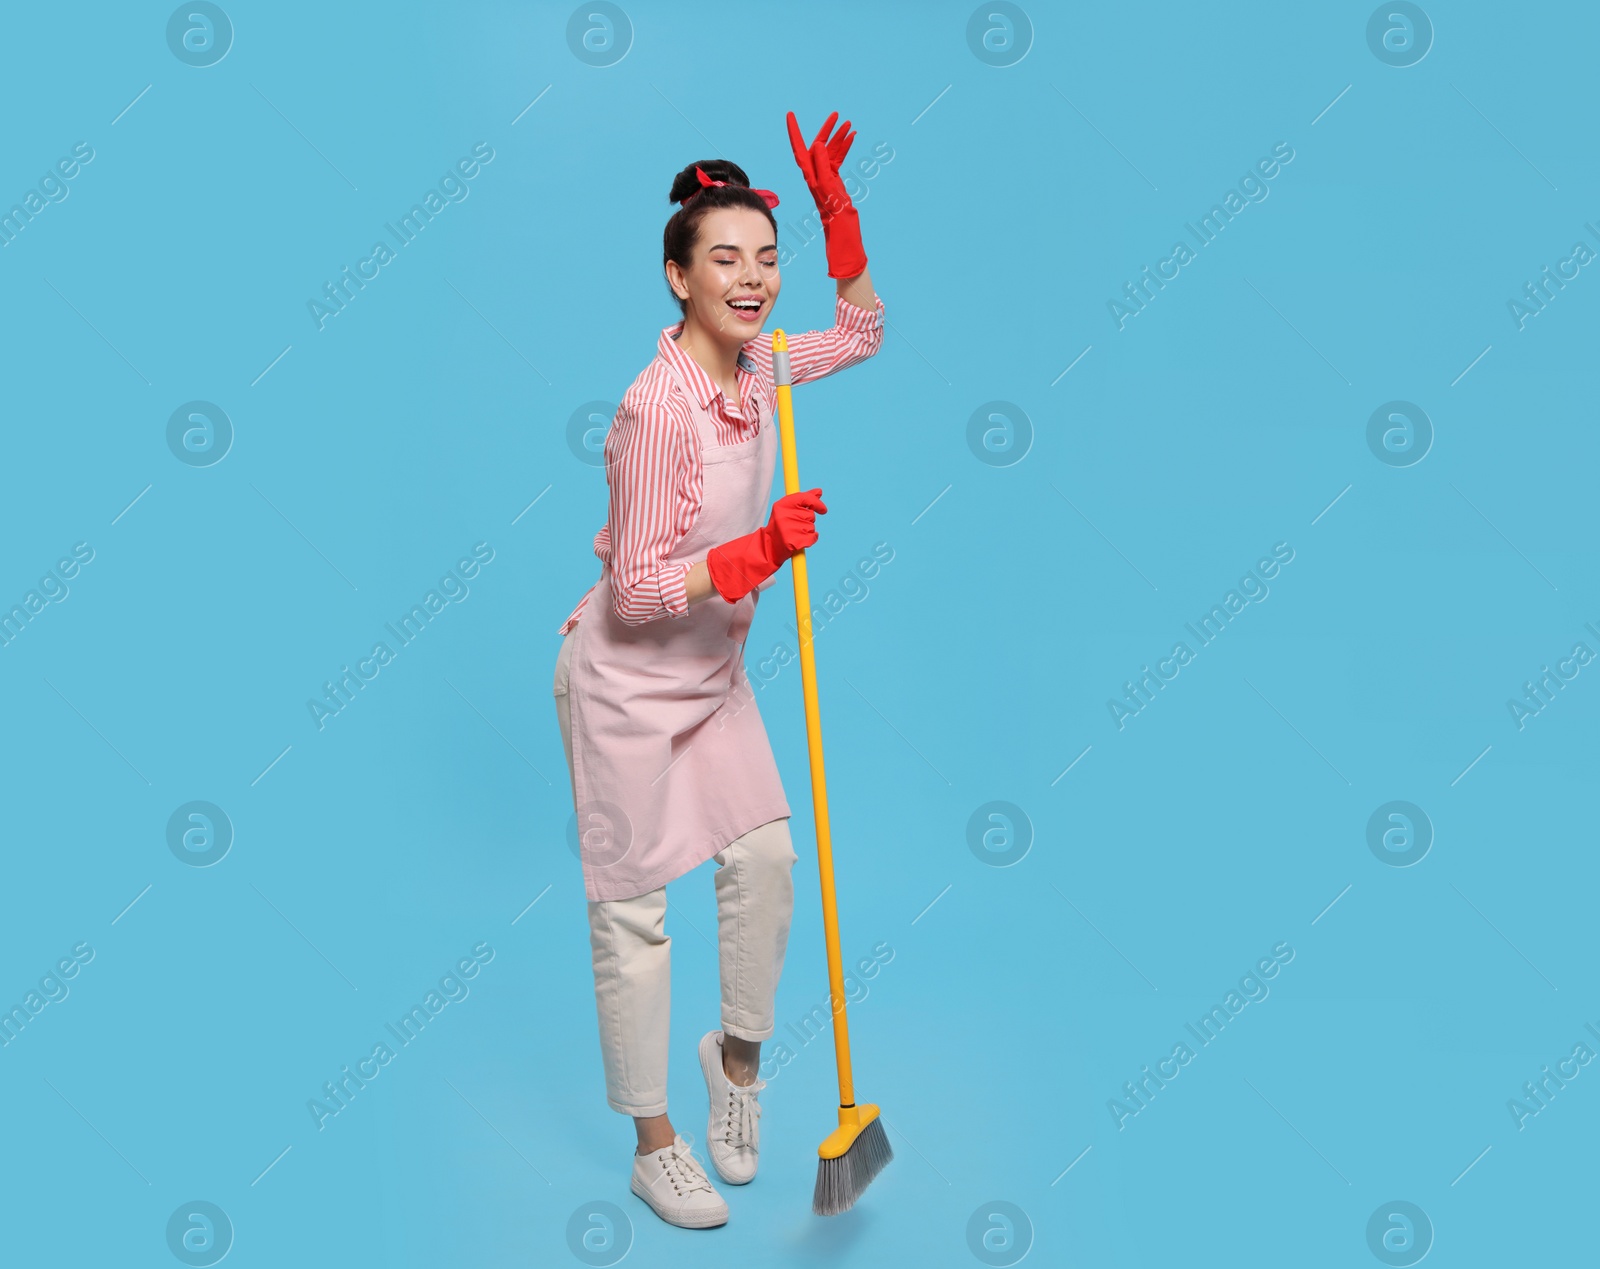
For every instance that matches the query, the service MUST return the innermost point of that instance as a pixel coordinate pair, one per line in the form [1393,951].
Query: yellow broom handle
[808,681]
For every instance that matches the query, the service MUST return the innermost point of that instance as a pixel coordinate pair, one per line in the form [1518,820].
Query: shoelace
[743,1112]
[683,1171]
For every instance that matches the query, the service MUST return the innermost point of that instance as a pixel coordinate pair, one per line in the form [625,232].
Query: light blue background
[1225,818]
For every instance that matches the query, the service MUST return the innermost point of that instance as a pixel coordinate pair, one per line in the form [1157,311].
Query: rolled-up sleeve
[857,334]
[653,464]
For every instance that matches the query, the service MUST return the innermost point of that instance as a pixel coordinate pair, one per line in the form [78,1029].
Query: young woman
[669,760]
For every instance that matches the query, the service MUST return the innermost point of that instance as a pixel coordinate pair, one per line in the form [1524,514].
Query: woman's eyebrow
[728,246]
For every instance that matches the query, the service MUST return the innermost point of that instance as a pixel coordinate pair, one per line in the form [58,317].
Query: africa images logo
[453,188]
[1253,188]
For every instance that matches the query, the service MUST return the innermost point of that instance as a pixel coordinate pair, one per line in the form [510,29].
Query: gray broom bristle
[841,1181]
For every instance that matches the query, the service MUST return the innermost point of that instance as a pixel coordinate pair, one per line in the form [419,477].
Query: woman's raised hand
[819,164]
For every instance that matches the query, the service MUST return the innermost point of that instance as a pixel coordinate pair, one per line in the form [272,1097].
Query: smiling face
[732,280]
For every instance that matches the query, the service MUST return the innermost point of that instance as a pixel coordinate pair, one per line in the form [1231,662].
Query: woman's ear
[675,280]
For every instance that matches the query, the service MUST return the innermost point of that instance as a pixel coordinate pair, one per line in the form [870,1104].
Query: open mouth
[748,309]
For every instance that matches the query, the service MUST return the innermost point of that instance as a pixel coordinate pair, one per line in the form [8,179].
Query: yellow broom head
[849,1158]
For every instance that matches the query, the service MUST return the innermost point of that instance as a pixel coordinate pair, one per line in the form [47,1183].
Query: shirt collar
[705,390]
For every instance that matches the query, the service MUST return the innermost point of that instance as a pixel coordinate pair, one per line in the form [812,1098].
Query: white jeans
[631,951]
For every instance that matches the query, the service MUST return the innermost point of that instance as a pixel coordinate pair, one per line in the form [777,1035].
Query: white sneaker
[733,1130]
[672,1181]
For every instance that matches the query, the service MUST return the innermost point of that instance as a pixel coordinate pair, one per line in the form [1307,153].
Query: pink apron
[670,758]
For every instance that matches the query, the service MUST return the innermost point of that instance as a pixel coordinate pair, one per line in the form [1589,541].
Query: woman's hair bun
[686,182]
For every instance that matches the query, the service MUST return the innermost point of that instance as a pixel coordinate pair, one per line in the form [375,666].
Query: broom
[857,1150]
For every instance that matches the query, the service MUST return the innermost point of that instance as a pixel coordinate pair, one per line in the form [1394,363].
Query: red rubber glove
[739,566]
[841,226]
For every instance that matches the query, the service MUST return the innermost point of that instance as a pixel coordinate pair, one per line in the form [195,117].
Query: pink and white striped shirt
[652,455]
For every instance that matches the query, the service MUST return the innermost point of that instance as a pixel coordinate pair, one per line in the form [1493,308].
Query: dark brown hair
[678,239]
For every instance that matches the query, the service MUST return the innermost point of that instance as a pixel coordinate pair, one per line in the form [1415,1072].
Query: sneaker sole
[698,1220]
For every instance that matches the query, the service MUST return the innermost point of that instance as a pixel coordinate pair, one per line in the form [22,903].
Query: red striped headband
[765,195]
